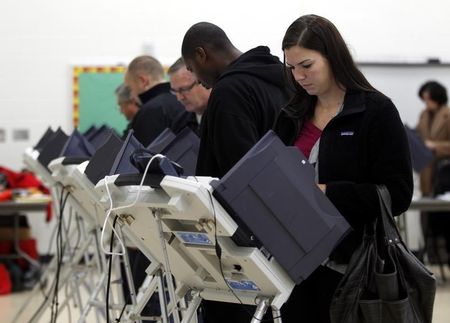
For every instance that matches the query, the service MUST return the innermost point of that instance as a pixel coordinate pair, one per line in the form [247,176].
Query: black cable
[127,300]
[40,282]
[97,244]
[123,310]
[62,202]
[78,241]
[218,250]
[128,297]
[66,228]
[60,253]
[109,270]
[58,246]
[49,248]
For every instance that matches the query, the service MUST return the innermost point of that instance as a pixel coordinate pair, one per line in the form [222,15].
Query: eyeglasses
[185,89]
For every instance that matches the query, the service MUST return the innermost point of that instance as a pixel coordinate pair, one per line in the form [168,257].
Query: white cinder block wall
[41,40]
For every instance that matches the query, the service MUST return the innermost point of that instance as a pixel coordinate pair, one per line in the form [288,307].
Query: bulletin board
[94,100]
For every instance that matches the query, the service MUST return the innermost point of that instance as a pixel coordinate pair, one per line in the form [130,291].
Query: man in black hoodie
[248,91]
[159,109]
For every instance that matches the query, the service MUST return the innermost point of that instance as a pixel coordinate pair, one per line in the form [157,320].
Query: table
[426,204]
[14,208]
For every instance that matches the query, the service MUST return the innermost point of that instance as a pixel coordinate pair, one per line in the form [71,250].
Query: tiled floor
[10,304]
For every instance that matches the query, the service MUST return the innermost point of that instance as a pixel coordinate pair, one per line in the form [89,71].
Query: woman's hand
[323,187]
[430,144]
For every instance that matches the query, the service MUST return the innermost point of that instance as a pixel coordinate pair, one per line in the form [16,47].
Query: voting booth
[251,235]
[247,238]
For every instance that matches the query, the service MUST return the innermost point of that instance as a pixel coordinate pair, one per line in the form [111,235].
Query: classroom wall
[384,30]
[404,32]
[401,83]
[42,40]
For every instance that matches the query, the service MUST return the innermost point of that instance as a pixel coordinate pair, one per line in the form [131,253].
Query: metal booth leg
[260,310]
[276,314]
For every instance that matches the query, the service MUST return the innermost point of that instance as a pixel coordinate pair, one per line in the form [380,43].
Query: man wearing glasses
[189,92]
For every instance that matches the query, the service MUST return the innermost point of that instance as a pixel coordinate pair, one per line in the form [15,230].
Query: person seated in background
[189,92]
[127,105]
[434,129]
[159,109]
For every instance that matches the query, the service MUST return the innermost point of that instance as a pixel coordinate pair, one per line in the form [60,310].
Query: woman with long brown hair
[353,136]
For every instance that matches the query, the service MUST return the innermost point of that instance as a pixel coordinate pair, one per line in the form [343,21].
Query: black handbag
[384,281]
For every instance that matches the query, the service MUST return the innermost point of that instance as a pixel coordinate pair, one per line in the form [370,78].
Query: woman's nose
[298,75]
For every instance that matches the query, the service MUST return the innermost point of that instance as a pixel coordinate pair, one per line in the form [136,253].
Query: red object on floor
[5,247]
[5,281]
[28,246]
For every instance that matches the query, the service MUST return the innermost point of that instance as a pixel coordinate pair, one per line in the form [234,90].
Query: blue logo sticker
[247,285]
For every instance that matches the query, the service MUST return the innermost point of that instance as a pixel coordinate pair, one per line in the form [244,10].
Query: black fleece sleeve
[389,165]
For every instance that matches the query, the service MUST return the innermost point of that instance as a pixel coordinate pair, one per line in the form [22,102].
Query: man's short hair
[175,67]
[148,65]
[204,34]
[123,94]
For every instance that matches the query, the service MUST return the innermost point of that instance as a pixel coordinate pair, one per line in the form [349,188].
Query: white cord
[112,208]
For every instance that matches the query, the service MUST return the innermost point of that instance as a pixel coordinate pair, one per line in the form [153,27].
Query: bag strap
[392,235]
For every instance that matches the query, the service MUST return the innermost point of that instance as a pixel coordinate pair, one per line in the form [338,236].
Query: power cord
[110,260]
[218,250]
[54,304]
[49,248]
[59,252]
[42,288]
[112,208]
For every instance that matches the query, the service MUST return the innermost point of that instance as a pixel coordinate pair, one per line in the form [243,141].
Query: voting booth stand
[79,262]
[85,264]
[177,226]
[179,223]
[247,238]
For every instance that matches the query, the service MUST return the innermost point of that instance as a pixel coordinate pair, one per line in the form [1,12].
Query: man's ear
[200,54]
[143,80]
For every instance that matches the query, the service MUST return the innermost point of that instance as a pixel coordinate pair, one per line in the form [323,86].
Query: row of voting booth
[247,238]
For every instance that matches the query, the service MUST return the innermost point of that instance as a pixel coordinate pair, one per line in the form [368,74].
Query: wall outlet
[20,134]
[2,135]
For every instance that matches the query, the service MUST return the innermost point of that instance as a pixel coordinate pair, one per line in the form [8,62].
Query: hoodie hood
[260,63]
